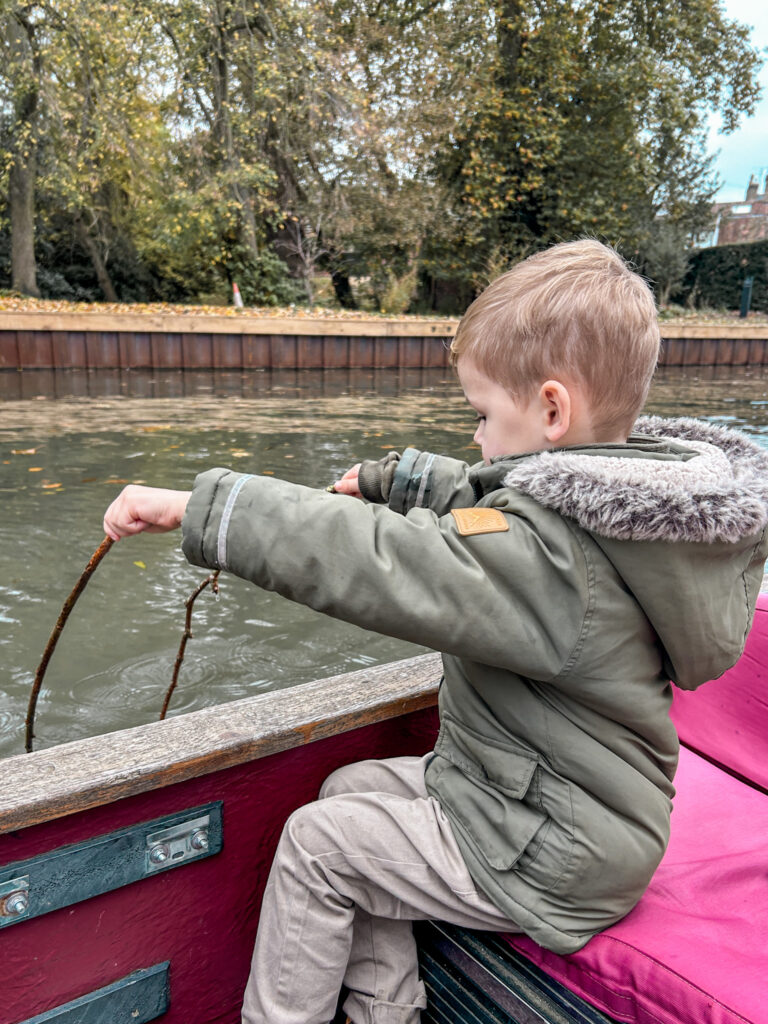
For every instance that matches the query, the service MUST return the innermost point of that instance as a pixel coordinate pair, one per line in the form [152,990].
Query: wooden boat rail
[78,823]
[95,771]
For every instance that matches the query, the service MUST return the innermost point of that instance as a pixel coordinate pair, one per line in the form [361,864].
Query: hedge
[715,276]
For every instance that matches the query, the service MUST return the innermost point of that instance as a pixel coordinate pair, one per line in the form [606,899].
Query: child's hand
[136,509]
[348,483]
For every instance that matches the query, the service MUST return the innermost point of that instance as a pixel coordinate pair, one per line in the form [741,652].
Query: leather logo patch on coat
[479,520]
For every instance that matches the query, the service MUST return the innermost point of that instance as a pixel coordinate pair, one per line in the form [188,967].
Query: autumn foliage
[398,152]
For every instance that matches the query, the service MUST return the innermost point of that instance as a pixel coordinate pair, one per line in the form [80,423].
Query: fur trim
[721,494]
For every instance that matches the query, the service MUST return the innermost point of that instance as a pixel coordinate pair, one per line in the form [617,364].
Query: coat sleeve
[418,479]
[488,598]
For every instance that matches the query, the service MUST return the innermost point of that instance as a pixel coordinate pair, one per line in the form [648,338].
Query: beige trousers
[350,874]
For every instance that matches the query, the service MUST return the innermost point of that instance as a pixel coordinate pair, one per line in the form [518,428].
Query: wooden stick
[69,604]
[213,579]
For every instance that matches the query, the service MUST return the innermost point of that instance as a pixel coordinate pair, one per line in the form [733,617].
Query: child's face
[505,426]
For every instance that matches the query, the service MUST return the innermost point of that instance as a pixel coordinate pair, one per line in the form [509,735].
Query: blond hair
[576,310]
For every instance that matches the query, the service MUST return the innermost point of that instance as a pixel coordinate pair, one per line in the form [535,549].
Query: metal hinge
[74,873]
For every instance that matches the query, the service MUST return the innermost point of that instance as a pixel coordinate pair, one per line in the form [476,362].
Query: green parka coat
[612,569]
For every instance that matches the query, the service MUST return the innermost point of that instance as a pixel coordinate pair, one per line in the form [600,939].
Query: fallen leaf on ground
[24,304]
[141,565]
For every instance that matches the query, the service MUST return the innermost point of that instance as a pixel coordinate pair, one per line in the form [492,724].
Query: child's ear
[556,405]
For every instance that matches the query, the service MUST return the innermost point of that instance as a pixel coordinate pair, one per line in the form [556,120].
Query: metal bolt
[15,904]
[160,853]
[199,840]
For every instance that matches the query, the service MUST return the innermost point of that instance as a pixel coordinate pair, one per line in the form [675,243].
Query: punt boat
[132,865]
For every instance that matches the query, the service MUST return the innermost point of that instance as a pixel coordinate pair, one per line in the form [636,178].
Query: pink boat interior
[695,950]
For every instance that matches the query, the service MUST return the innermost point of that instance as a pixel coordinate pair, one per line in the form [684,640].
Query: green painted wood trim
[81,871]
[136,999]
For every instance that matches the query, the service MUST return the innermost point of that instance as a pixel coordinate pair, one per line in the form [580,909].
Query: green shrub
[264,280]
[715,276]
[398,292]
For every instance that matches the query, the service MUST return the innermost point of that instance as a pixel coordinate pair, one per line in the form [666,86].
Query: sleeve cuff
[412,482]
[201,525]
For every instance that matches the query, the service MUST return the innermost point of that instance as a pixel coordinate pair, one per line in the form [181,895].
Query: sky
[744,152]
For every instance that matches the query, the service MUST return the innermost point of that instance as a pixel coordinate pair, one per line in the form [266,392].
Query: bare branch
[213,579]
[69,604]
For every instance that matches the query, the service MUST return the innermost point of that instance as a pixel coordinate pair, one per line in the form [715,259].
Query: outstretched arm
[482,595]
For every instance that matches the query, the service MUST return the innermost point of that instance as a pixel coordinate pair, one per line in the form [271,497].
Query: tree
[588,120]
[178,145]
[105,136]
[227,64]
[666,257]
[379,90]
[79,128]
[20,98]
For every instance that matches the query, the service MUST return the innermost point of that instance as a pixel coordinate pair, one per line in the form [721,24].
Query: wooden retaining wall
[145,341]
[94,341]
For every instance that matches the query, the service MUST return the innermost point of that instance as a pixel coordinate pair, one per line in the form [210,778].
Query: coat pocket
[481,786]
[508,770]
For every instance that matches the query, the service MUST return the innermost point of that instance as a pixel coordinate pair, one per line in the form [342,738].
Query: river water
[70,440]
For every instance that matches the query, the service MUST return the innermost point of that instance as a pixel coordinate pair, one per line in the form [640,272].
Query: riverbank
[14,303]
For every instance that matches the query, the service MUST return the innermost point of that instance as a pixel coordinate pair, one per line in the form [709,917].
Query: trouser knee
[344,780]
[303,830]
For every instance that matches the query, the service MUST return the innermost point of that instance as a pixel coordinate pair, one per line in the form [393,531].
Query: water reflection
[63,384]
[68,441]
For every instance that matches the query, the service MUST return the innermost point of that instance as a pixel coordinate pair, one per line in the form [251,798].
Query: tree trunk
[248,232]
[342,286]
[510,42]
[94,254]
[21,201]
[23,165]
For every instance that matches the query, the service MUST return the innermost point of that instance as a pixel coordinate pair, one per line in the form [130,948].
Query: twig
[69,604]
[213,579]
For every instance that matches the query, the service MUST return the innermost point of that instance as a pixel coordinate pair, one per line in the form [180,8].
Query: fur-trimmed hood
[691,499]
[680,480]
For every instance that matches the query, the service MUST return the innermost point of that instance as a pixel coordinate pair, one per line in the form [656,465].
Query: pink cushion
[726,720]
[695,949]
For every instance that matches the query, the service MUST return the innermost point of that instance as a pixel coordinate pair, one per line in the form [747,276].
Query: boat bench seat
[695,949]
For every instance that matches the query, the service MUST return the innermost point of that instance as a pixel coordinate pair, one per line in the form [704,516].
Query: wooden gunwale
[88,773]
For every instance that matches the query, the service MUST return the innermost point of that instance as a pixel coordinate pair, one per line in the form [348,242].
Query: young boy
[566,579]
